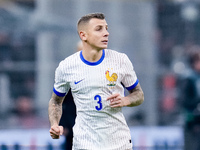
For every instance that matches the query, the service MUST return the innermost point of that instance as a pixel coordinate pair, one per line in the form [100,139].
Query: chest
[86,78]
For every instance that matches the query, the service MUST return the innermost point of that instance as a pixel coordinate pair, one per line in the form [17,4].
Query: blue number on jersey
[100,106]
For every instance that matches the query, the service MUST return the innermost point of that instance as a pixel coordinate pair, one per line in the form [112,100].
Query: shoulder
[68,62]
[116,55]
[108,51]
[70,59]
[119,57]
[111,52]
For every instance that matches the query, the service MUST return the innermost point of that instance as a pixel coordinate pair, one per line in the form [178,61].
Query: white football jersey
[97,125]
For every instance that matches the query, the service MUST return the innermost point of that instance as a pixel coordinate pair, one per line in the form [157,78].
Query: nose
[106,34]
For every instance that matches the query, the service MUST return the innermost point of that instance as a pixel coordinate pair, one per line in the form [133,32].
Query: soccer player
[97,77]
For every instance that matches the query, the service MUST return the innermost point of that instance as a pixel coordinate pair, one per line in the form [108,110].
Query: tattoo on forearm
[136,96]
[55,110]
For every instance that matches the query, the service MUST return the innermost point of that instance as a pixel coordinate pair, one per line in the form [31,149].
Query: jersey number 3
[98,98]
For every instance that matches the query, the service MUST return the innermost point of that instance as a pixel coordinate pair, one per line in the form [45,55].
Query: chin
[103,47]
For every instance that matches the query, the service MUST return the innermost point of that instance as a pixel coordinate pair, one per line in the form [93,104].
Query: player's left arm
[135,98]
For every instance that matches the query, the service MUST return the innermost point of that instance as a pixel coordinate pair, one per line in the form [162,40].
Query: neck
[92,55]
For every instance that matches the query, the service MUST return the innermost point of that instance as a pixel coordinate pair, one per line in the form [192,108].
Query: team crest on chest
[112,78]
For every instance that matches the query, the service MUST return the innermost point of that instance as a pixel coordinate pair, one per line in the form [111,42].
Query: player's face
[97,33]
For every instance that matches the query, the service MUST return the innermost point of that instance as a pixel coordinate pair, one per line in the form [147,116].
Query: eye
[98,28]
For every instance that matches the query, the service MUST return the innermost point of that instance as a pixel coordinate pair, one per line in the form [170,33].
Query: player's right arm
[55,112]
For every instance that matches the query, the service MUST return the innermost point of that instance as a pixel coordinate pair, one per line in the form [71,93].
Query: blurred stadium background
[35,35]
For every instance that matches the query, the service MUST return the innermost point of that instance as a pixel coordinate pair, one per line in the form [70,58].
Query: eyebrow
[102,26]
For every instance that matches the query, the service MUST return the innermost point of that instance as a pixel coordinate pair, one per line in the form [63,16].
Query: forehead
[97,22]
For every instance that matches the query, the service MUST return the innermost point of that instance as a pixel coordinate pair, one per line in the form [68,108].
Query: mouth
[105,41]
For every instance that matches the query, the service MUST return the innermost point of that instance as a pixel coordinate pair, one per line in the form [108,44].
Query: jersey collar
[93,63]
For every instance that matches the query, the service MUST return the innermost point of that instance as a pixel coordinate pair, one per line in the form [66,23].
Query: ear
[83,35]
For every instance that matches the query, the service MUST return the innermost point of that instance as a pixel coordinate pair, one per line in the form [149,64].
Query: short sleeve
[129,80]
[61,86]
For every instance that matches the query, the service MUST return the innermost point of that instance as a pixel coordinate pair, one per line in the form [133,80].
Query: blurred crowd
[179,78]
[180,98]
[17,63]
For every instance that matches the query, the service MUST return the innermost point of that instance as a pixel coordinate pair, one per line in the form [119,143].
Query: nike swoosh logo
[78,81]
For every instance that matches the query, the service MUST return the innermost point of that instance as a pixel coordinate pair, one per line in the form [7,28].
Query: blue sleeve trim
[58,93]
[133,86]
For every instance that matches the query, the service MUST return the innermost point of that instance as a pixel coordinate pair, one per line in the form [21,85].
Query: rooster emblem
[112,79]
